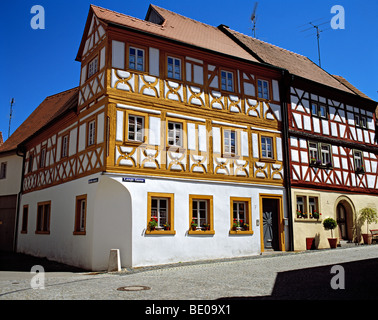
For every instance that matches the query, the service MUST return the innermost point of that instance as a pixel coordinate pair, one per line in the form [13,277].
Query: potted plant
[330,224]
[152,224]
[313,161]
[316,215]
[369,215]
[206,226]
[166,226]
[193,225]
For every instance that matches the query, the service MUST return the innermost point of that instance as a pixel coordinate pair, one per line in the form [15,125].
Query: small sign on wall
[138,180]
[94,180]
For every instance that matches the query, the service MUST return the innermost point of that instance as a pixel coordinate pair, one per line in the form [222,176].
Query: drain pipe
[15,239]
[285,103]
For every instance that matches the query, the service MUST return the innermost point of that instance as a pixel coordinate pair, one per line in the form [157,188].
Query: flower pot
[310,244]
[332,242]
[367,238]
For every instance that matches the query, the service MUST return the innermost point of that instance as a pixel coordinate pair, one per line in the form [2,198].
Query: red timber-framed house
[332,152]
[172,151]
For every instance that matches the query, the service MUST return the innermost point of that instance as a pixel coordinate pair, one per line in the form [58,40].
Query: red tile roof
[176,27]
[52,107]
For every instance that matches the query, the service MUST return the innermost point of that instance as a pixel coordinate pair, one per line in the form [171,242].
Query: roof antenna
[10,115]
[253,19]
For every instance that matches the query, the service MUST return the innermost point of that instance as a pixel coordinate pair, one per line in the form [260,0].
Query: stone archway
[345,214]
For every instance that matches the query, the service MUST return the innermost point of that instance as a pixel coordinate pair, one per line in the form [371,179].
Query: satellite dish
[253,19]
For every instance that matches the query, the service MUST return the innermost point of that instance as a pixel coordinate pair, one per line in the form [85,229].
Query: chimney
[1,138]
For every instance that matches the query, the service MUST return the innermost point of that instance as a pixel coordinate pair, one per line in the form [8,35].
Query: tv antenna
[318,31]
[253,19]
[10,115]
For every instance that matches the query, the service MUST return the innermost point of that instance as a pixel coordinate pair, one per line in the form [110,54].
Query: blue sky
[39,63]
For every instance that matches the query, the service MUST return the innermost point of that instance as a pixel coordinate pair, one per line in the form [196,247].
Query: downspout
[284,93]
[15,239]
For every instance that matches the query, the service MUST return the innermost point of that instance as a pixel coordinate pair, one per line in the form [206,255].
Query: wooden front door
[270,221]
[342,222]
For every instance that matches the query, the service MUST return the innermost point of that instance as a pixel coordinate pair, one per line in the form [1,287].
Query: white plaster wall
[60,245]
[162,249]
[12,182]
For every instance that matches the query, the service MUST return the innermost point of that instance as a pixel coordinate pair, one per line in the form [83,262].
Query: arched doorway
[344,217]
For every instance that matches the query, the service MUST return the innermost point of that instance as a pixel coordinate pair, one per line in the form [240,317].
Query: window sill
[79,233]
[230,156]
[320,166]
[261,159]
[240,232]
[161,232]
[201,232]
[176,149]
[307,220]
[42,232]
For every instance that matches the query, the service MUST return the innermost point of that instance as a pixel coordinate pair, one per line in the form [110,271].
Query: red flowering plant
[153,223]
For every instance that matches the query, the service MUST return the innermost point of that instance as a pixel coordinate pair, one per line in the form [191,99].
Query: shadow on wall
[360,283]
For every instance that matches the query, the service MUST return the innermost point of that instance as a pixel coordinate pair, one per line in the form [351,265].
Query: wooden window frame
[248,215]
[358,169]
[78,228]
[65,147]
[43,229]
[93,120]
[262,88]
[209,212]
[91,74]
[145,58]
[311,150]
[181,67]
[3,170]
[135,132]
[306,213]
[176,148]
[329,164]
[227,71]
[267,159]
[25,217]
[226,154]
[170,197]
[42,157]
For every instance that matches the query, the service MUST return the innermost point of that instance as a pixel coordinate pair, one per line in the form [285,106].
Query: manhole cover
[133,288]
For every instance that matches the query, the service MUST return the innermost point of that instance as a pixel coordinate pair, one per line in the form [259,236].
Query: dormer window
[93,67]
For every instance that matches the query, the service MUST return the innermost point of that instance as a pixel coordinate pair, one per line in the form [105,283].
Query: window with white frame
[91,132]
[229,141]
[300,204]
[159,211]
[313,151]
[175,134]
[326,154]
[199,212]
[319,109]
[136,59]
[174,68]
[267,147]
[227,80]
[92,67]
[240,220]
[263,89]
[358,160]
[312,205]
[136,128]
[64,146]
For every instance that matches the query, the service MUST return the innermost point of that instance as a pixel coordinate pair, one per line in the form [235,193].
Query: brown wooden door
[7,221]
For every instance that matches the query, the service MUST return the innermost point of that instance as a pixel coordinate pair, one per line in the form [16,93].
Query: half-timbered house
[171,152]
[332,150]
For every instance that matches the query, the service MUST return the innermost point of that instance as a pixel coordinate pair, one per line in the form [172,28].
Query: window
[43,217]
[358,162]
[80,215]
[229,137]
[92,67]
[42,160]
[65,146]
[136,128]
[326,155]
[136,59]
[174,68]
[360,120]
[3,170]
[227,80]
[25,213]
[91,132]
[30,162]
[201,214]
[263,89]
[175,134]
[307,207]
[318,110]
[267,147]
[160,215]
[240,215]
[313,151]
